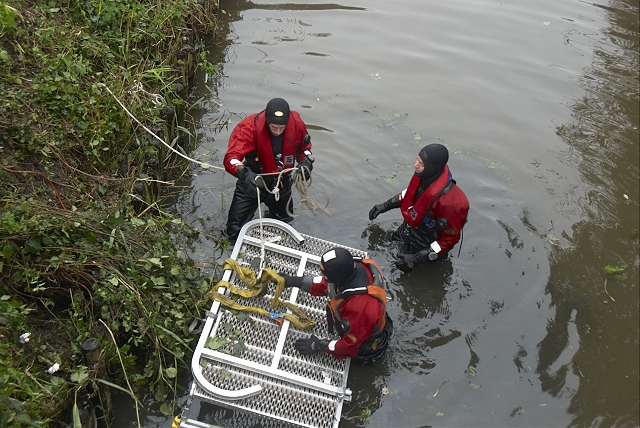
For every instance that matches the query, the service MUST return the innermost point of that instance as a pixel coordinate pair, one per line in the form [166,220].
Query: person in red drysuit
[356,310]
[267,142]
[433,207]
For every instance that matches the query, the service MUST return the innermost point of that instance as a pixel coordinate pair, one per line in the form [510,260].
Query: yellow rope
[256,287]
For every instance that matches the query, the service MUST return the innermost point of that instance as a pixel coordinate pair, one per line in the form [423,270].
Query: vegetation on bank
[78,259]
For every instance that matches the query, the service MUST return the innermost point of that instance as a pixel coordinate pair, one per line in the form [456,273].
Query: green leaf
[158,281]
[76,417]
[215,343]
[224,374]
[165,409]
[610,270]
[155,260]
[79,376]
[171,372]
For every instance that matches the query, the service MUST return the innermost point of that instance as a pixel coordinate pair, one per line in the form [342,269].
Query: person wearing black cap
[356,310]
[434,209]
[267,142]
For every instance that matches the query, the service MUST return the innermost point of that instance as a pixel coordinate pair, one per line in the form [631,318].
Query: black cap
[338,265]
[434,157]
[277,111]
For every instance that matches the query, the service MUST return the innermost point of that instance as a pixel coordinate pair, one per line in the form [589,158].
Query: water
[538,105]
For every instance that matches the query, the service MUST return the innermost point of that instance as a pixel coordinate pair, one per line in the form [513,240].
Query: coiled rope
[256,287]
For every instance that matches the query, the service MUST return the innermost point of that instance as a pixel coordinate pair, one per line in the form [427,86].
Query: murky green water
[538,104]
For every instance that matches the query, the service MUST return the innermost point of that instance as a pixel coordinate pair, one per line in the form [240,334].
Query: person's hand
[305,166]
[407,262]
[312,345]
[291,281]
[376,211]
[384,207]
[250,178]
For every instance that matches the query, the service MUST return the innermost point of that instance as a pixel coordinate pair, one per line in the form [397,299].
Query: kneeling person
[356,310]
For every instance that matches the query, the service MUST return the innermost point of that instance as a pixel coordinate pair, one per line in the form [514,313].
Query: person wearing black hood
[266,143]
[434,209]
[356,310]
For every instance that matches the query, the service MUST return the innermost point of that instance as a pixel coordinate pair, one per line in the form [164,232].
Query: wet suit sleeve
[241,142]
[363,313]
[454,206]
[301,131]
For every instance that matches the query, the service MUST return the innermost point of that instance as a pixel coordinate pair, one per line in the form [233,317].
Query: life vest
[416,212]
[336,323]
[265,154]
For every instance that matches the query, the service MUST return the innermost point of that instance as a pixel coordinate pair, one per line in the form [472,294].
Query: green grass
[76,260]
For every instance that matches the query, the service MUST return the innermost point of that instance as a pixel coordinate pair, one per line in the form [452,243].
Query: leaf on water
[365,414]
[471,371]
[439,414]
[517,411]
[165,409]
[612,270]
[474,386]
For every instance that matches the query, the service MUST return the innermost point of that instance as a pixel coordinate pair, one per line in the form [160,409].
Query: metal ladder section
[267,382]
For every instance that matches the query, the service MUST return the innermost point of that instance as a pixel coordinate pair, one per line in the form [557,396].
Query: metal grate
[268,383]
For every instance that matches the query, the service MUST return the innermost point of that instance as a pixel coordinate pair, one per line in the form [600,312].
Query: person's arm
[362,313]
[241,142]
[314,285]
[454,207]
[303,139]
[389,204]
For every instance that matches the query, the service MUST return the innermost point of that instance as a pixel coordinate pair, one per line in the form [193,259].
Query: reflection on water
[590,353]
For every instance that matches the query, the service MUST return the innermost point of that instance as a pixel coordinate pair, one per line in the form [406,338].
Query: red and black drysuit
[436,214]
[357,313]
[250,146]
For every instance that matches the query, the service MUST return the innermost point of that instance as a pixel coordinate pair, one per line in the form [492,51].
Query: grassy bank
[84,253]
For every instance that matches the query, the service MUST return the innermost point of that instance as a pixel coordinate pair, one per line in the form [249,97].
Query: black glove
[407,262]
[291,281]
[384,207]
[250,178]
[312,345]
[305,173]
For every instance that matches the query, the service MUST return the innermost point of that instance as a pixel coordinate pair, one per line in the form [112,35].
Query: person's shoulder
[295,115]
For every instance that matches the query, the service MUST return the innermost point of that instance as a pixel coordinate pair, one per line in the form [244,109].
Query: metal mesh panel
[267,378]
[279,399]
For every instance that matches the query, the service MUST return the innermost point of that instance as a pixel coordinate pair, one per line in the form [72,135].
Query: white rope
[262,251]
[202,164]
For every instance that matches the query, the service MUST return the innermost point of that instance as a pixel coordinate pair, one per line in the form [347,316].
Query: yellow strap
[255,288]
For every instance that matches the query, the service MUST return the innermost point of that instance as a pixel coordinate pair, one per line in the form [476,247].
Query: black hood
[435,157]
